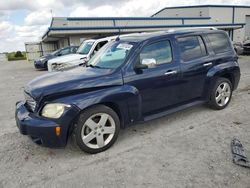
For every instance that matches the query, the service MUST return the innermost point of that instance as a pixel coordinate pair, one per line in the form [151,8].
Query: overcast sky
[27,20]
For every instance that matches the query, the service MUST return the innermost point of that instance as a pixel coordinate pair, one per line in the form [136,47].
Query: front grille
[30,102]
[62,66]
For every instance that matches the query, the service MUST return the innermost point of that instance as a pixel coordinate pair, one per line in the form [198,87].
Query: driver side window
[159,52]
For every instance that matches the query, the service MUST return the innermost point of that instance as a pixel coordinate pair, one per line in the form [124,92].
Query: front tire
[221,94]
[97,129]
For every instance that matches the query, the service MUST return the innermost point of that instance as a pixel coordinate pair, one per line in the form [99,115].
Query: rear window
[191,47]
[219,42]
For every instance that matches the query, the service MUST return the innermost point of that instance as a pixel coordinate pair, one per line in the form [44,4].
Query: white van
[87,49]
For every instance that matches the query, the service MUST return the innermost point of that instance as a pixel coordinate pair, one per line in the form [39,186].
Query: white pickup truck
[87,49]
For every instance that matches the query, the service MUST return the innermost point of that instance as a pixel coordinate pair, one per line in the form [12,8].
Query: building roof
[63,26]
[66,26]
[198,6]
[65,22]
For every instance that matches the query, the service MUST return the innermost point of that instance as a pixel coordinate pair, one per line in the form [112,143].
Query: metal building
[228,15]
[38,49]
[65,31]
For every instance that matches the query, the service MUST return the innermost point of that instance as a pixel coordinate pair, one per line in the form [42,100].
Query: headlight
[54,110]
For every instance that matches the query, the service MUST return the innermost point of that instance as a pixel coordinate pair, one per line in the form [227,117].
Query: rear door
[195,63]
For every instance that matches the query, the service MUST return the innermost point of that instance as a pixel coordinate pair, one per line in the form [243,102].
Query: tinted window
[191,47]
[160,51]
[219,42]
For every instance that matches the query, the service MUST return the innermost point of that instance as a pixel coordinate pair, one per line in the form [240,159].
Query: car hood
[48,56]
[73,80]
[67,58]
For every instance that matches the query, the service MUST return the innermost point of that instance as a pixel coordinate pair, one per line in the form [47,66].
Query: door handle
[207,64]
[170,72]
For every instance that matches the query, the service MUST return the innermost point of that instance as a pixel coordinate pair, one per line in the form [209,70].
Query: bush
[18,54]
[14,56]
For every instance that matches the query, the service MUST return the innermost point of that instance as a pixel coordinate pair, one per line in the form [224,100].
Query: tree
[18,54]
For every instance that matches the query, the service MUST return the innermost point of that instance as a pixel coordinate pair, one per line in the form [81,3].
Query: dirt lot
[187,149]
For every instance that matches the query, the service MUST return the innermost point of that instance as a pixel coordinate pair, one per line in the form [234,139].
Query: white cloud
[5,29]
[129,8]
[30,4]
[42,17]
[38,18]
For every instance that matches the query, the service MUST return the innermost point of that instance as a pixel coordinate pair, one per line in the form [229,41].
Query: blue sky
[17,17]
[27,20]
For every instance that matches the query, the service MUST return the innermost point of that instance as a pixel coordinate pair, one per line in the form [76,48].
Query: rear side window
[160,51]
[219,42]
[191,47]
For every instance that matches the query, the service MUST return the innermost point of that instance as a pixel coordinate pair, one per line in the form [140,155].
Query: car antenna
[118,37]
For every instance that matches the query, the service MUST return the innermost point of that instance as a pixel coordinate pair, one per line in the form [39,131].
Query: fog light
[58,131]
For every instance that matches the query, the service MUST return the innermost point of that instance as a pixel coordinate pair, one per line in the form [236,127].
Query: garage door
[247,27]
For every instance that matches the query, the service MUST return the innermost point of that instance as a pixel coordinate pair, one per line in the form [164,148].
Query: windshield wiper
[93,66]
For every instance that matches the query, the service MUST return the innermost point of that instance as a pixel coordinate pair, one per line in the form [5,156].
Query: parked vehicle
[246,47]
[42,62]
[238,47]
[87,49]
[131,79]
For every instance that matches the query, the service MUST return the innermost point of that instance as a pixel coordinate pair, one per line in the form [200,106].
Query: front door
[158,85]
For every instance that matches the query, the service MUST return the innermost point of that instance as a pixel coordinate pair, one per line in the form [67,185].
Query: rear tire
[97,129]
[221,94]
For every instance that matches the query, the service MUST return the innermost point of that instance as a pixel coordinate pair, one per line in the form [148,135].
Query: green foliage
[14,56]
[18,54]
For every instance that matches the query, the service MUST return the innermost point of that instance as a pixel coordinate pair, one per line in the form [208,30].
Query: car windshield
[85,47]
[111,56]
[55,52]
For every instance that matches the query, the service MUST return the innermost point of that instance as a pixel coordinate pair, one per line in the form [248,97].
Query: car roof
[140,37]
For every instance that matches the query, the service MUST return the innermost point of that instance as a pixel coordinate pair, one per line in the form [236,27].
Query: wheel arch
[124,100]
[230,77]
[229,70]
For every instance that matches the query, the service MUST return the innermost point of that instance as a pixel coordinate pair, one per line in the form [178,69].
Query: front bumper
[43,130]
[40,64]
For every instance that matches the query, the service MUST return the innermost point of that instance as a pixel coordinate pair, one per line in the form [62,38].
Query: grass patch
[12,56]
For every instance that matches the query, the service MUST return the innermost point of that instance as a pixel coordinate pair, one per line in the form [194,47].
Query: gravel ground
[186,149]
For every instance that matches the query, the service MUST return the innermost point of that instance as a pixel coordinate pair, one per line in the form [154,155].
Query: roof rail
[192,29]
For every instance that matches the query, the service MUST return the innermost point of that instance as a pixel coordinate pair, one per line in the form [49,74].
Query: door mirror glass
[149,62]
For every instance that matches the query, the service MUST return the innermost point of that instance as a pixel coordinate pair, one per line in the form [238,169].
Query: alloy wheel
[223,94]
[98,130]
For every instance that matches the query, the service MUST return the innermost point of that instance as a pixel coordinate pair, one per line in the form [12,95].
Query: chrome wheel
[98,130]
[223,94]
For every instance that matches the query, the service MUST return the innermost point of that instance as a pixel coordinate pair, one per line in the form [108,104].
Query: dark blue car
[42,62]
[136,78]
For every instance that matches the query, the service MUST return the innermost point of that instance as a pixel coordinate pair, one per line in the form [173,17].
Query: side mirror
[141,66]
[146,63]
[149,62]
